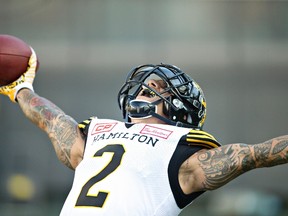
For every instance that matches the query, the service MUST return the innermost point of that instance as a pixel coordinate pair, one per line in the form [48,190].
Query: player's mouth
[147,93]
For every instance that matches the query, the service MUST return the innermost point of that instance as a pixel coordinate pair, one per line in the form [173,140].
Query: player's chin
[146,120]
[148,99]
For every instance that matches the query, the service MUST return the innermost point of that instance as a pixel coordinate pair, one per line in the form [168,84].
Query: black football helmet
[185,105]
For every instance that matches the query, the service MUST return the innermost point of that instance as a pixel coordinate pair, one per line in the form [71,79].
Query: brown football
[14,57]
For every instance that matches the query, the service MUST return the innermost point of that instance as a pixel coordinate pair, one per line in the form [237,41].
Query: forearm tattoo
[61,129]
[223,164]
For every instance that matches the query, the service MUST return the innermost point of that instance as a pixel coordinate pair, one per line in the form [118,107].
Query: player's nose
[153,84]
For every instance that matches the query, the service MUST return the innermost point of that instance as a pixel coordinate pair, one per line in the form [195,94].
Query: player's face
[156,85]
[147,95]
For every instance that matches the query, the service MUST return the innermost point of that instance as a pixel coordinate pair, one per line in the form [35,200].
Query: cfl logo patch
[103,127]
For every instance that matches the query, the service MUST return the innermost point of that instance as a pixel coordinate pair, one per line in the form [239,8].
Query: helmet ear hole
[171,112]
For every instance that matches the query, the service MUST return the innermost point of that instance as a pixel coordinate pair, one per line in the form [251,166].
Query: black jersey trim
[84,128]
[84,125]
[182,153]
[188,145]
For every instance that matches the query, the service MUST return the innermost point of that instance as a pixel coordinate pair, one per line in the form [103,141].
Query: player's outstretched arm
[211,169]
[62,130]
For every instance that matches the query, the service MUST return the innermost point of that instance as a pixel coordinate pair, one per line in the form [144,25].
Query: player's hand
[25,81]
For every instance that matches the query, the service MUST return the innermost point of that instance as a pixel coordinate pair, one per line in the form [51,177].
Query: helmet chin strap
[141,109]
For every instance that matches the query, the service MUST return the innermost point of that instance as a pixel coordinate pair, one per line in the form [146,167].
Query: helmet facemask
[183,100]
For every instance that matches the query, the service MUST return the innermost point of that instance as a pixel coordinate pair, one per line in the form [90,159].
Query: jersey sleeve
[201,139]
[84,125]
[189,144]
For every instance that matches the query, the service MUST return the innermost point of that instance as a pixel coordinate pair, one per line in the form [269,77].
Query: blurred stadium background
[237,51]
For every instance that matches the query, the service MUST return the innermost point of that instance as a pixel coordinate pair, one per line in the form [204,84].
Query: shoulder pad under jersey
[201,138]
[84,125]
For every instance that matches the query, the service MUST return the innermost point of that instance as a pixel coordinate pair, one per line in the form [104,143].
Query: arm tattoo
[221,165]
[61,129]
[63,134]
[278,152]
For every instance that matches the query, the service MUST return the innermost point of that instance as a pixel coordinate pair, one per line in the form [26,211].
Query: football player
[155,162]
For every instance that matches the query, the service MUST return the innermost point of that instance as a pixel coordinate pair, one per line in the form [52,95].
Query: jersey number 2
[98,201]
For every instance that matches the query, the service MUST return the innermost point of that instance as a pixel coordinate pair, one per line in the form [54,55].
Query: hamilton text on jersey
[139,137]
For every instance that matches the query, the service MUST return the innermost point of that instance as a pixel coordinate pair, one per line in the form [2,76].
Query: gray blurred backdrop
[236,50]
